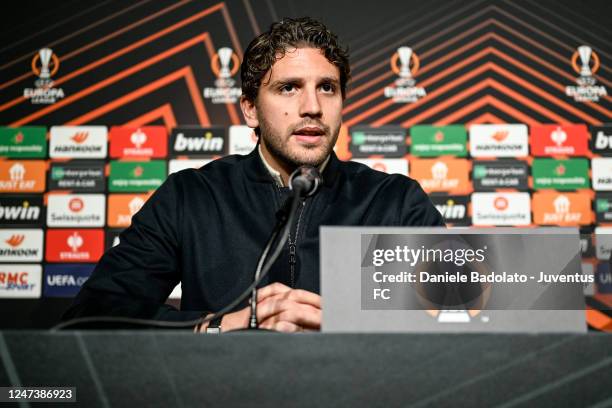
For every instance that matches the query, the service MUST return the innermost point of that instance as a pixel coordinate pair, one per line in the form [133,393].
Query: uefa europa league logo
[585,62]
[405,56]
[41,66]
[225,64]
[225,54]
[585,56]
[45,59]
[405,64]
[44,65]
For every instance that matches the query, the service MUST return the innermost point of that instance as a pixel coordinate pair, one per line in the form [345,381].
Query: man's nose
[309,104]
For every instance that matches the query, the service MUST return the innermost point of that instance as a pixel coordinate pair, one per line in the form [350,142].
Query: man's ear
[249,110]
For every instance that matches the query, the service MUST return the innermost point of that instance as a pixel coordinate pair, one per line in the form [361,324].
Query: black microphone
[305,181]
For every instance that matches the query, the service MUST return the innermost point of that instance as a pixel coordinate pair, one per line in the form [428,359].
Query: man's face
[298,109]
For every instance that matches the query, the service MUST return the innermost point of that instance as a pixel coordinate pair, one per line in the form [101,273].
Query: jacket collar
[257,171]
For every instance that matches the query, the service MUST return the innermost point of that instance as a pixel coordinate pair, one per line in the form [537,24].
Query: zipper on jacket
[293,245]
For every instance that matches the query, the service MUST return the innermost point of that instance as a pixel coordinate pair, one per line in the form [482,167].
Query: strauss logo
[15,240]
[558,136]
[138,138]
[75,241]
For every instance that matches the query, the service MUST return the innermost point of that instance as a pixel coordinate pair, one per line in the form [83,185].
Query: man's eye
[328,88]
[287,88]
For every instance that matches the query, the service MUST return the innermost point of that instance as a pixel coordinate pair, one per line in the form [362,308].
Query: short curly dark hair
[263,51]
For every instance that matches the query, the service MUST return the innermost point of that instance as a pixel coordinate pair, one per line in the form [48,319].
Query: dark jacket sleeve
[418,210]
[135,278]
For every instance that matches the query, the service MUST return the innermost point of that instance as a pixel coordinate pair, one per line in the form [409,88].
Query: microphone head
[305,179]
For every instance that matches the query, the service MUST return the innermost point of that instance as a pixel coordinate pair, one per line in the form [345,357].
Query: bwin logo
[603,141]
[451,210]
[23,212]
[206,143]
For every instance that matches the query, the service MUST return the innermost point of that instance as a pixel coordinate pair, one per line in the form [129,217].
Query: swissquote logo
[75,210]
[78,142]
[405,63]
[45,64]
[390,166]
[27,176]
[20,281]
[499,140]
[21,245]
[21,210]
[501,209]
[224,64]
[83,245]
[194,141]
[585,61]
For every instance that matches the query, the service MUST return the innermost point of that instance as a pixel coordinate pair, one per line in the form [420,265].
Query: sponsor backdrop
[500,109]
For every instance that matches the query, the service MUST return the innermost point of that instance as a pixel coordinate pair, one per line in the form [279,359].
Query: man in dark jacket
[206,228]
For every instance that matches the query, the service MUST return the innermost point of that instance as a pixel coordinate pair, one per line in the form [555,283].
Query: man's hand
[284,309]
[279,308]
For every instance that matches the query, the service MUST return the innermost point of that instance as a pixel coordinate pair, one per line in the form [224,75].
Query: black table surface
[181,369]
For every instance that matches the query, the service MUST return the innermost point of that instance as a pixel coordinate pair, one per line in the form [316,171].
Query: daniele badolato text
[459,257]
